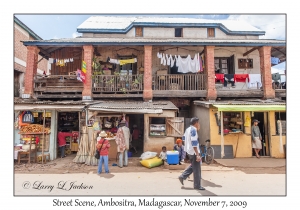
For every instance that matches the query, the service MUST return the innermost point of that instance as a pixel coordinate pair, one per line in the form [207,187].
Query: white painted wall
[195,33]
[153,32]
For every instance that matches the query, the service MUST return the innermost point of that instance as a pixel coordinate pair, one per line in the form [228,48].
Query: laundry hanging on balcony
[121,62]
[275,60]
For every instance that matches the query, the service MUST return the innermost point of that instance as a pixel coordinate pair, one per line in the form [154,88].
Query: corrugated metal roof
[35,102]
[123,22]
[135,40]
[134,105]
[245,102]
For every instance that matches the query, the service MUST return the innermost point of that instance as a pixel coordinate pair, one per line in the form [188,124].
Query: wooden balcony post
[147,94]
[265,69]
[31,70]
[210,72]
[88,58]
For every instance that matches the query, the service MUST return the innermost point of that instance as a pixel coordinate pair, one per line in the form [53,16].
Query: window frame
[209,31]
[141,30]
[181,32]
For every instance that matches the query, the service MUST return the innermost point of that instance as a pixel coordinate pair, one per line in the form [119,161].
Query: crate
[172,157]
[74,147]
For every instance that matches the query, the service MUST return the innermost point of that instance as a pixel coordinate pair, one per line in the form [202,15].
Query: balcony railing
[57,83]
[179,82]
[117,83]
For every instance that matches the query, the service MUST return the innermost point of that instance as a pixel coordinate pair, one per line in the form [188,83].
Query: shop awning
[268,107]
[18,107]
[134,107]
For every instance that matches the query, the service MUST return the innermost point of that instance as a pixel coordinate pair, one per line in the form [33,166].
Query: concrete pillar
[31,71]
[147,94]
[265,70]
[87,86]
[210,72]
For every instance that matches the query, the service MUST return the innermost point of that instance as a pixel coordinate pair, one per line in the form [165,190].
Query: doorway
[263,125]
[136,126]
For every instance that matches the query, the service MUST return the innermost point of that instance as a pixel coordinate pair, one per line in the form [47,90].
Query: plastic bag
[148,155]
[152,162]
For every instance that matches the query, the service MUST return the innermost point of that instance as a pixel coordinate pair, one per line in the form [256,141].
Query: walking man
[192,149]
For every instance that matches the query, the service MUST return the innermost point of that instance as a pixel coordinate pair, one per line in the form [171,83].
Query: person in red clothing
[103,146]
[61,139]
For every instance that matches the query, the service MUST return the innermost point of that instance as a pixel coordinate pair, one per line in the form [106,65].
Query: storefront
[43,122]
[155,123]
[229,127]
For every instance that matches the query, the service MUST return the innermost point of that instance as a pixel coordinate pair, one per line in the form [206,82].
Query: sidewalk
[253,162]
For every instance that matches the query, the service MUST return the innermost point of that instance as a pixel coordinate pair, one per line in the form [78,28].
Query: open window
[170,126]
[224,65]
[280,117]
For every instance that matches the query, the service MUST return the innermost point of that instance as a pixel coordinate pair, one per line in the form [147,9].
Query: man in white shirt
[192,149]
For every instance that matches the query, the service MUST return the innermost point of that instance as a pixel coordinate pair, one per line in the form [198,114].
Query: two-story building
[160,72]
[21,33]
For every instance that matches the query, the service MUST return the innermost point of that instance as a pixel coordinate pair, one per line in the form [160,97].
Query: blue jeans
[62,151]
[125,153]
[187,172]
[101,160]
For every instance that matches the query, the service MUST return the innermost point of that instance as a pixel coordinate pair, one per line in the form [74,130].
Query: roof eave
[31,33]
[229,44]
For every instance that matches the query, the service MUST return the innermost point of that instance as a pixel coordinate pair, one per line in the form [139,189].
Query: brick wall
[20,50]
[88,58]
[210,72]
[265,69]
[148,94]
[31,69]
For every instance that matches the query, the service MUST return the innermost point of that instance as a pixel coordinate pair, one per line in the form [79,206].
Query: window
[210,32]
[178,32]
[245,63]
[224,65]
[282,117]
[138,31]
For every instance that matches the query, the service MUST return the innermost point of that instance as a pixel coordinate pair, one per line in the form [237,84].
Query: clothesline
[121,62]
[184,65]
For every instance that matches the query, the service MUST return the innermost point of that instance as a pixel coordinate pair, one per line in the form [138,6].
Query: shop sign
[27,117]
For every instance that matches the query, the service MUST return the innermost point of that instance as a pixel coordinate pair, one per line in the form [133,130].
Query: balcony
[57,86]
[179,85]
[109,86]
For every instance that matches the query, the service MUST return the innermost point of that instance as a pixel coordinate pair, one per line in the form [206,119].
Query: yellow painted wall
[275,139]
[243,140]
[154,144]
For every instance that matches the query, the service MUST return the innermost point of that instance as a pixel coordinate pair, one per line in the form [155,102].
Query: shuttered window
[178,32]
[211,32]
[138,31]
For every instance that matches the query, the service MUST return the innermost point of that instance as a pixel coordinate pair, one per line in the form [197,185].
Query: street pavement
[217,180]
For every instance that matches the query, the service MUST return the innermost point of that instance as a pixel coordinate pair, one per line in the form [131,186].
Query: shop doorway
[68,128]
[263,125]
[136,126]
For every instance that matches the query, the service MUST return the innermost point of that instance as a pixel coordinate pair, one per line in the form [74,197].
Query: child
[163,154]
[103,147]
[179,147]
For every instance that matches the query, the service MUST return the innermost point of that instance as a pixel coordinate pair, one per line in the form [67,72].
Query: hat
[255,120]
[102,134]
[178,141]
[123,122]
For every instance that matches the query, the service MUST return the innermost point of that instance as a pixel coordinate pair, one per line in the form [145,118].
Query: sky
[57,26]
